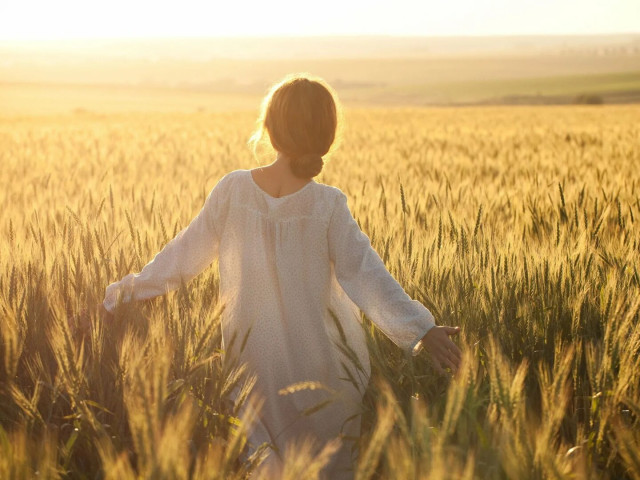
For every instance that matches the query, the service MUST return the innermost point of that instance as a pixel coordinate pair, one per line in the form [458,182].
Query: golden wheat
[521,225]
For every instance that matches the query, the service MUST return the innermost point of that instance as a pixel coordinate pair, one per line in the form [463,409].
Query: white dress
[285,264]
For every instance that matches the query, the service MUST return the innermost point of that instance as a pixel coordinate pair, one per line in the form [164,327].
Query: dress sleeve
[184,257]
[366,280]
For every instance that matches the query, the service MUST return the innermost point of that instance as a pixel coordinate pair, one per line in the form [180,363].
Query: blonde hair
[301,114]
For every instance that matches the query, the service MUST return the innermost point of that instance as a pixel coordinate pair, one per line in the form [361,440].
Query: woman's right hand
[80,324]
[444,353]
[104,313]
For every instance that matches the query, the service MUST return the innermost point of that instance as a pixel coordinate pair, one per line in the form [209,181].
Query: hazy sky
[59,19]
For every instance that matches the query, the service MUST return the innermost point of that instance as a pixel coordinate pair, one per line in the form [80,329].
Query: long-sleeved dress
[289,267]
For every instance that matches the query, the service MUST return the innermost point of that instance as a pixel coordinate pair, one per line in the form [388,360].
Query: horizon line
[317,36]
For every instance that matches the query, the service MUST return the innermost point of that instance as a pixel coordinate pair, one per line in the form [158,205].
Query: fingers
[439,369]
[452,330]
[105,313]
[453,359]
[448,347]
[454,348]
[447,358]
[450,364]
[444,352]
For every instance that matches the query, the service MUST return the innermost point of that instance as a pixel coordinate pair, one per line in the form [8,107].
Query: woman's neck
[277,179]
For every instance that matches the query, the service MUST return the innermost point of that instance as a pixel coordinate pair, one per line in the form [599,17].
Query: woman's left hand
[444,353]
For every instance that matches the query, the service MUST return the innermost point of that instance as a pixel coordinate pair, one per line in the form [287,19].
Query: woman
[293,267]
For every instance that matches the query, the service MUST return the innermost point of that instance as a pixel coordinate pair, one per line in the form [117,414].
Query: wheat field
[521,225]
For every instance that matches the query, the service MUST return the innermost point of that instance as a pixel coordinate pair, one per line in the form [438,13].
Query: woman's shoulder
[233,175]
[230,180]
[225,187]
[331,192]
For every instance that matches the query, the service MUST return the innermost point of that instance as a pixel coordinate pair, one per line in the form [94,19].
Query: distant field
[30,99]
[43,99]
[58,83]
[560,89]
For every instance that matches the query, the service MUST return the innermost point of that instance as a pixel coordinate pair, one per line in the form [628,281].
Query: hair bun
[307,165]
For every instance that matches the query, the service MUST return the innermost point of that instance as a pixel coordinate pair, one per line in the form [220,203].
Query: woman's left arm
[366,280]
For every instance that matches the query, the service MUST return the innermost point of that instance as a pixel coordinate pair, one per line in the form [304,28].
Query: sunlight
[67,19]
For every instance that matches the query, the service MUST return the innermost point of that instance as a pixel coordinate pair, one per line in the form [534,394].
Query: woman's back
[277,284]
[276,275]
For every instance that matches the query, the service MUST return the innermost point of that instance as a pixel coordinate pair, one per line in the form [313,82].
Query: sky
[69,19]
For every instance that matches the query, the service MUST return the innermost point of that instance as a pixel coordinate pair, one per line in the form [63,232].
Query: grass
[521,225]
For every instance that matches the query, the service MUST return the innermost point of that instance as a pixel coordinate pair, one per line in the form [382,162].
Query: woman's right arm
[184,257]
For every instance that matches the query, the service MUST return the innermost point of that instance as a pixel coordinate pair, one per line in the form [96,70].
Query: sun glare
[65,19]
